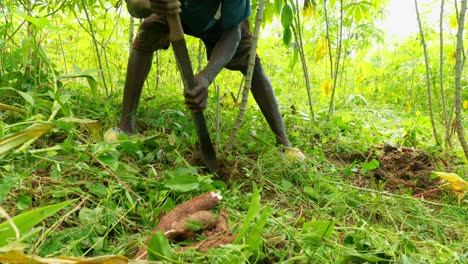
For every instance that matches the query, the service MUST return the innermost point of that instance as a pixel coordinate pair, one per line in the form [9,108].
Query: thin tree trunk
[297,31]
[327,26]
[458,73]
[62,52]
[103,45]
[158,69]
[96,48]
[248,77]
[337,63]
[428,78]
[441,76]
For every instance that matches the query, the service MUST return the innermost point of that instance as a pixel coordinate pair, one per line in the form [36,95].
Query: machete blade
[185,67]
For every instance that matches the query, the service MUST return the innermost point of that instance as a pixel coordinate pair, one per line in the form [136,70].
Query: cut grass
[319,212]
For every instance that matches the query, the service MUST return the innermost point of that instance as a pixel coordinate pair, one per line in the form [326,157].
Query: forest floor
[357,198]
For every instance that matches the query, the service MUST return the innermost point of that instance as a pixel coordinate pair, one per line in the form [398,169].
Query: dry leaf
[459,186]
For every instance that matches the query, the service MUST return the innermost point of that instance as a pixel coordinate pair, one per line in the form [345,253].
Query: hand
[165,7]
[196,98]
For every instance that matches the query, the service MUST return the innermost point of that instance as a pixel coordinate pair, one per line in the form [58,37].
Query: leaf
[286,16]
[254,239]
[27,97]
[465,104]
[182,183]
[316,231]
[254,210]
[98,189]
[278,6]
[459,186]
[32,132]
[294,59]
[287,36]
[28,220]
[453,22]
[311,192]
[321,48]
[5,185]
[24,202]
[6,107]
[368,166]
[15,254]
[40,22]
[326,87]
[93,126]
[86,74]
[159,248]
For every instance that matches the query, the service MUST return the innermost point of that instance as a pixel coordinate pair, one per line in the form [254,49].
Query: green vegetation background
[62,65]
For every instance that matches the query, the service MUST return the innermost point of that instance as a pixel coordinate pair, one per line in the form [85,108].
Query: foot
[294,154]
[112,134]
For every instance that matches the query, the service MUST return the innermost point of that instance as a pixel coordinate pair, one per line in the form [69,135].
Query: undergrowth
[327,209]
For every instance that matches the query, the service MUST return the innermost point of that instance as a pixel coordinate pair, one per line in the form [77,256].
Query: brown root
[180,213]
[182,231]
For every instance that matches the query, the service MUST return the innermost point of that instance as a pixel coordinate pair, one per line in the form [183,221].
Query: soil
[401,170]
[227,170]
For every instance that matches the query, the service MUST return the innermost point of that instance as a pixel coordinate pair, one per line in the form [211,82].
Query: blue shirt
[201,15]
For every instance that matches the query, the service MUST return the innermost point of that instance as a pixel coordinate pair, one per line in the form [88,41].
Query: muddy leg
[139,65]
[264,95]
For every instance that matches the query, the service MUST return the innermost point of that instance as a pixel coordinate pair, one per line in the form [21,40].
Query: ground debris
[401,169]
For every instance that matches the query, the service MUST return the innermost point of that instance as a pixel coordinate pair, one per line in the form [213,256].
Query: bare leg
[264,95]
[139,65]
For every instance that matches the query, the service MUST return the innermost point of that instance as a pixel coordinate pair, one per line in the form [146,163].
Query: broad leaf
[287,36]
[286,16]
[93,126]
[182,183]
[159,248]
[28,220]
[459,186]
[32,132]
[315,231]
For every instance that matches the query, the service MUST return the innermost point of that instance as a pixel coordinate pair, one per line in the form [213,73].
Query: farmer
[224,29]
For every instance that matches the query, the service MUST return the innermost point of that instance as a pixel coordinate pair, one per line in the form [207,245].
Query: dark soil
[401,170]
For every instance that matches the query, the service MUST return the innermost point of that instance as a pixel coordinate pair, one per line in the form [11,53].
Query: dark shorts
[153,35]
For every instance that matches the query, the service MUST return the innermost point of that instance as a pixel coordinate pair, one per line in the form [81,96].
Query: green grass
[320,212]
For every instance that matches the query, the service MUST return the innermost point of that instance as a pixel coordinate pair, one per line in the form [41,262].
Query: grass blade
[28,220]
[254,210]
[32,132]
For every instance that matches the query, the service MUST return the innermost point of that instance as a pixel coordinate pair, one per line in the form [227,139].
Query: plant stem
[298,37]
[458,73]
[248,77]
[428,77]
[327,26]
[337,63]
[441,76]
[96,47]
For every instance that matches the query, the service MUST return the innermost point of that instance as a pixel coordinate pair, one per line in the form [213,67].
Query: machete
[176,37]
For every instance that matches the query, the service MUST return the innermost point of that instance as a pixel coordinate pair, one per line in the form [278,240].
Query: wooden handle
[176,32]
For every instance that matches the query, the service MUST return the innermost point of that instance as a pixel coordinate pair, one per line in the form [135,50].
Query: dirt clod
[401,170]
[404,169]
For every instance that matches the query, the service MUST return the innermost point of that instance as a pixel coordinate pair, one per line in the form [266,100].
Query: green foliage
[327,209]
[159,248]
[25,221]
